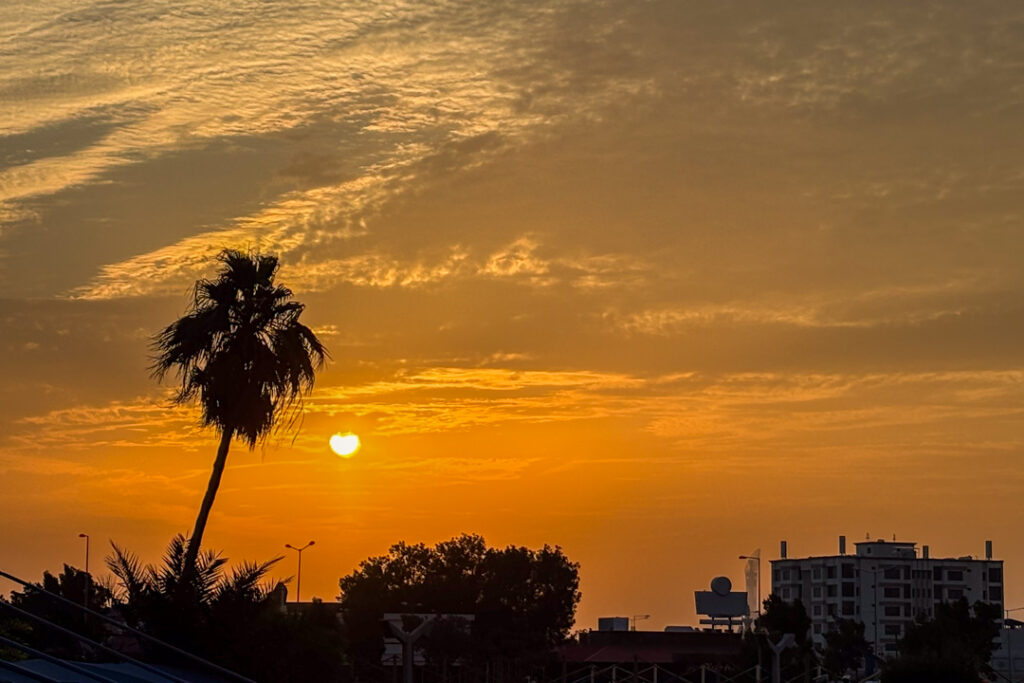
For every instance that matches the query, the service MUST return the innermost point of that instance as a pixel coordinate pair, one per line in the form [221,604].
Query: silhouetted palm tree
[242,352]
[215,602]
[135,583]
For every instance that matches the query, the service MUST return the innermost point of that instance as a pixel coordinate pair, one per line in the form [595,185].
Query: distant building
[1008,659]
[613,624]
[884,585]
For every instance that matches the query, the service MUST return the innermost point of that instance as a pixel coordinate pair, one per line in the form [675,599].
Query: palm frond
[131,575]
[246,582]
[240,349]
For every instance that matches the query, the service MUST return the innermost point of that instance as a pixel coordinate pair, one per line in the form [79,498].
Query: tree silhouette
[953,647]
[74,585]
[845,647]
[241,351]
[523,600]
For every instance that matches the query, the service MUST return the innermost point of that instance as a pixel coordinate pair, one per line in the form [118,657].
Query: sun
[344,444]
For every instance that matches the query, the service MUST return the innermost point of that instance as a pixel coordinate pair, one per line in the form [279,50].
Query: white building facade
[884,585]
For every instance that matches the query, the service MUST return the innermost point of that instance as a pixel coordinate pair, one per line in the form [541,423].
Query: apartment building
[884,585]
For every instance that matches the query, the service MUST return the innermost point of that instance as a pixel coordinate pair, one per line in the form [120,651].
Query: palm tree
[135,584]
[218,602]
[242,352]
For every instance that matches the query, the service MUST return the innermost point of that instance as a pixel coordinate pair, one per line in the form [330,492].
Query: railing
[656,673]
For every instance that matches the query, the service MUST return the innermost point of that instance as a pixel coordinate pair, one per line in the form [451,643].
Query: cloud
[140,422]
[406,106]
[879,306]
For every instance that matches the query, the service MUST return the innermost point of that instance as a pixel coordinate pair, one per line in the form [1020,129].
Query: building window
[848,589]
[892,611]
[893,573]
[817,573]
[785,594]
[817,610]
[848,608]
[995,593]
[995,575]
[848,571]
[954,575]
[892,629]
[830,572]
[817,628]
[892,591]
[937,574]
[830,590]
[954,593]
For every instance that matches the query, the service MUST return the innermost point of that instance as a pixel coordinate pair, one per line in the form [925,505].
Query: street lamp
[298,581]
[86,537]
[88,577]
[758,558]
[640,617]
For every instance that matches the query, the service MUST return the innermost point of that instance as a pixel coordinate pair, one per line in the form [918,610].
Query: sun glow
[345,445]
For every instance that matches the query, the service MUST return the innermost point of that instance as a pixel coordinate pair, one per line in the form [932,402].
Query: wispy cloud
[711,412]
[142,422]
[873,306]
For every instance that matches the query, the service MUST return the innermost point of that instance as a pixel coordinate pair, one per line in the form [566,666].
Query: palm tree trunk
[196,539]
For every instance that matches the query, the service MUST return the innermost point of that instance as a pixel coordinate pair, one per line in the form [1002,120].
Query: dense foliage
[845,647]
[72,584]
[953,647]
[522,601]
[517,603]
[234,618]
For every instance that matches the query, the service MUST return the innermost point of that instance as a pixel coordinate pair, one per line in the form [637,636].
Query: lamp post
[298,580]
[758,558]
[86,537]
[88,577]
[639,617]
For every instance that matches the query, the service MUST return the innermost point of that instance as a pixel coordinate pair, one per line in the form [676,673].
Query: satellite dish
[721,585]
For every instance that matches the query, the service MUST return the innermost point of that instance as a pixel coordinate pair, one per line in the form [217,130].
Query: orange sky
[658,282]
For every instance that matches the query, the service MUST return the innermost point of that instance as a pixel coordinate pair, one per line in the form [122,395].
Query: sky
[660,282]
